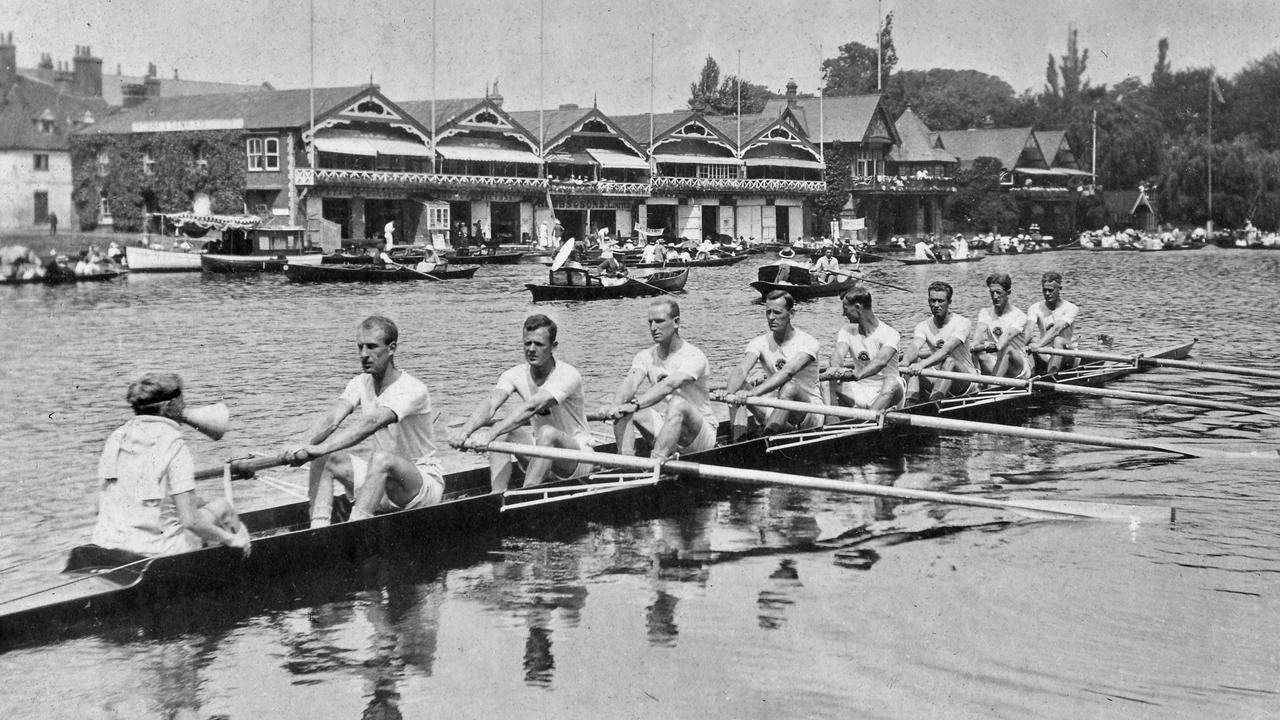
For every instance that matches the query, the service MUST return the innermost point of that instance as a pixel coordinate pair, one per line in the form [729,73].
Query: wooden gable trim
[469,120]
[353,110]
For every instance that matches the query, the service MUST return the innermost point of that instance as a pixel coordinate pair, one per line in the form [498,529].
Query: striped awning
[345,145]
[370,146]
[784,162]
[487,154]
[697,159]
[615,159]
[570,157]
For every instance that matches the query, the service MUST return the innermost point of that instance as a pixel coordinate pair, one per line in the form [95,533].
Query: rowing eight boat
[99,584]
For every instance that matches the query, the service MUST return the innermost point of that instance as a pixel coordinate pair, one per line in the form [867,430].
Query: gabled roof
[837,119]
[269,109]
[562,123]
[752,125]
[459,117]
[637,126]
[1057,148]
[918,143]
[1006,145]
[446,110]
[29,99]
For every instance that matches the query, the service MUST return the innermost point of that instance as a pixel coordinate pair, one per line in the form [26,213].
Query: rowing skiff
[584,286]
[366,273]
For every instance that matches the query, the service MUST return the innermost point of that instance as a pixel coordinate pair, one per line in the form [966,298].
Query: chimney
[791,92]
[44,70]
[133,94]
[63,79]
[496,96]
[88,73]
[8,64]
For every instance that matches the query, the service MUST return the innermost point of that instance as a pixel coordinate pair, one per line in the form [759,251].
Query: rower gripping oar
[965,426]
[242,468]
[1035,384]
[1161,362]
[1038,509]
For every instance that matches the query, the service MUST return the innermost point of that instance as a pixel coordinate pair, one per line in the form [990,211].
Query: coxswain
[147,501]
[787,358]
[825,266]
[863,368]
[1000,335]
[551,412]
[400,470]
[942,342]
[674,413]
[1051,324]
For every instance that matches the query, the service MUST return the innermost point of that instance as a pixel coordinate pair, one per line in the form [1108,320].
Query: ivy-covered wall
[175,180]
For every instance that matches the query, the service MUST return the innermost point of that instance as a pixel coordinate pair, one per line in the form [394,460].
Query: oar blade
[1061,509]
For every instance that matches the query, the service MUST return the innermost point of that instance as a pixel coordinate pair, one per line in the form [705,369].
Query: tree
[704,93]
[950,99]
[979,202]
[853,71]
[711,96]
[1251,106]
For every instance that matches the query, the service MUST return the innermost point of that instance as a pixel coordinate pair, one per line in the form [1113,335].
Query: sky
[601,51]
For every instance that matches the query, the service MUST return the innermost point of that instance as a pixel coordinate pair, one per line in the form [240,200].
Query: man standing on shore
[552,412]
[401,471]
[674,414]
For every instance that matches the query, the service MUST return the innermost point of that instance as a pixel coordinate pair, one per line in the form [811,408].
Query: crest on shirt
[941,343]
[997,332]
[662,376]
[779,363]
[863,356]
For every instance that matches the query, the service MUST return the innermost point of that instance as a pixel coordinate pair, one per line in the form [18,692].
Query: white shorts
[864,393]
[705,440]
[524,436]
[431,492]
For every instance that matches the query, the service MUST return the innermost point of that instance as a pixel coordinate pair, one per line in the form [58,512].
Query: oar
[1160,362]
[968,426]
[419,272]
[1097,392]
[1038,509]
[241,468]
[860,276]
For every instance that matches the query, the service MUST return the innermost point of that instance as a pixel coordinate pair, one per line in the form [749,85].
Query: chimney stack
[87,71]
[63,79]
[792,92]
[44,70]
[8,64]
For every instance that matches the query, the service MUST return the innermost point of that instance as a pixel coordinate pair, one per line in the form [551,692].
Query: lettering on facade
[145,126]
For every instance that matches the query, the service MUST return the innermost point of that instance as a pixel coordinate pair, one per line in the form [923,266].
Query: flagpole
[1093,164]
[311,54]
[879,44]
[1212,79]
[542,104]
[739,83]
[433,87]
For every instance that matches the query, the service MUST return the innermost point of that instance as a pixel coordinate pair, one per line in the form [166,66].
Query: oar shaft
[241,468]
[746,476]
[1161,362]
[1097,391]
[952,425]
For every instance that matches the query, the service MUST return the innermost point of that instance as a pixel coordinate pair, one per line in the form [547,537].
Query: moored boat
[368,273]
[145,259]
[101,583]
[217,263]
[721,261]
[64,278]
[798,281]
[578,284]
[940,261]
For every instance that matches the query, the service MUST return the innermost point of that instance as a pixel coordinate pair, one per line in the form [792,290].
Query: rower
[863,368]
[788,359]
[611,271]
[824,266]
[551,412]
[147,503]
[1000,336]
[430,260]
[401,471]
[1051,324]
[674,414]
[941,341]
[924,252]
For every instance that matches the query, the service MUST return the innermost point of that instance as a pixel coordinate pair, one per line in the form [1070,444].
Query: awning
[1073,171]
[487,154]
[345,145]
[570,157]
[697,159]
[213,222]
[1034,171]
[615,159]
[784,162]
[408,148]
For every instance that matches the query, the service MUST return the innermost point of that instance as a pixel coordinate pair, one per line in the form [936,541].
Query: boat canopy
[213,222]
[620,160]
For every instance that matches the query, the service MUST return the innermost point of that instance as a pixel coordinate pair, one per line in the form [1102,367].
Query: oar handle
[243,467]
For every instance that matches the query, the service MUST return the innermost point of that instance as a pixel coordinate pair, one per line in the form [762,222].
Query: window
[201,160]
[43,125]
[104,208]
[148,163]
[271,154]
[717,172]
[253,148]
[40,161]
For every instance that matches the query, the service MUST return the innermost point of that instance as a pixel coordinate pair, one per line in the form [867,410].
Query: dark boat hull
[656,284]
[285,548]
[714,262]
[805,292]
[946,261]
[249,264]
[494,258]
[366,273]
[64,278]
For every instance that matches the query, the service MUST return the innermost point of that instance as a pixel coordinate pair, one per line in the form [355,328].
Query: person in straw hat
[147,503]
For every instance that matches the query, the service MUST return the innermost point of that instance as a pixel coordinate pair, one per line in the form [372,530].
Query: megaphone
[212,420]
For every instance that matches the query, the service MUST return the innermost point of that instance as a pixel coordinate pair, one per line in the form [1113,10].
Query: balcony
[740,186]
[905,185]
[1045,192]
[308,177]
[599,188]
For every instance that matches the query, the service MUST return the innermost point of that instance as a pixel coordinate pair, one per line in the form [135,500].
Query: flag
[1217,90]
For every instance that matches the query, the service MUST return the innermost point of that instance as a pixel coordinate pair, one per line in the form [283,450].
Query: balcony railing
[385,178]
[602,187]
[902,184]
[1045,191]
[738,185]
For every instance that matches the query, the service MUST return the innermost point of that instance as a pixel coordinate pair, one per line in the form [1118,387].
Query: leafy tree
[853,71]
[1246,181]
[1251,106]
[980,203]
[711,96]
[704,93]
[950,99]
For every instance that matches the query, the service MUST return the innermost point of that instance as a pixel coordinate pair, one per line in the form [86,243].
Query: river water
[757,603]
